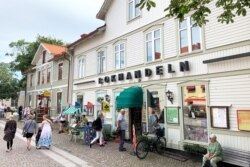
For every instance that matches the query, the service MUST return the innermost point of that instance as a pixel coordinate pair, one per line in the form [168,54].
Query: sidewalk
[109,156]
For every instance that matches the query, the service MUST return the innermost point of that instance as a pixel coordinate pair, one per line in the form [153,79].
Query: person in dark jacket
[98,128]
[9,132]
[20,112]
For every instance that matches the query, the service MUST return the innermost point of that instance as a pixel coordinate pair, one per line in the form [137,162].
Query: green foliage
[106,134]
[179,8]
[24,52]
[9,86]
[195,148]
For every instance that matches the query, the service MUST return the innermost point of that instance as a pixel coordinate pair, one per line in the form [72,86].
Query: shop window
[194,114]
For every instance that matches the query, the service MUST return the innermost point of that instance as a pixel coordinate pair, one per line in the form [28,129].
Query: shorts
[29,135]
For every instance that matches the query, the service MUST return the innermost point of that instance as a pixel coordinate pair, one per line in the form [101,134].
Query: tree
[24,53]
[9,85]
[178,8]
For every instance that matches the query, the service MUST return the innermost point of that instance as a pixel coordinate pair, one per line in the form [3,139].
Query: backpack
[94,124]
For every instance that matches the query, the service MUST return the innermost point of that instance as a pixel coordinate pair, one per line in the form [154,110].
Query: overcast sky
[61,19]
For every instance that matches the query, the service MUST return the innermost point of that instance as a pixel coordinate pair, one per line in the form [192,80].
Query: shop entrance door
[135,118]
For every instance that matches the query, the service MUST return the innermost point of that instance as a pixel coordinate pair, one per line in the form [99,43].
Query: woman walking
[30,129]
[98,128]
[9,132]
[45,139]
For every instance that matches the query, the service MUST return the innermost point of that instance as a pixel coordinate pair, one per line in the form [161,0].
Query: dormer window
[133,11]
[44,56]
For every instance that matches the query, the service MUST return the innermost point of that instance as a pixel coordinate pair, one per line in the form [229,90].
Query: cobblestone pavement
[21,157]
[109,156]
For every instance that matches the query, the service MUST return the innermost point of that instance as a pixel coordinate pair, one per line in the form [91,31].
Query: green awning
[130,98]
[70,110]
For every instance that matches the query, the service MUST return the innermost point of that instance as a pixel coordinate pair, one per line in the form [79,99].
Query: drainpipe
[68,73]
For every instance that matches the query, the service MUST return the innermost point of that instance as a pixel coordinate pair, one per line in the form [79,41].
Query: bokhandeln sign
[159,70]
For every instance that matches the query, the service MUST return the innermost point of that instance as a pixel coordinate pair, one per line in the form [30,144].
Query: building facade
[47,81]
[195,78]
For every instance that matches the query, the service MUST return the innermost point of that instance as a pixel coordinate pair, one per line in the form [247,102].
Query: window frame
[31,78]
[153,39]
[38,77]
[119,54]
[103,69]
[44,57]
[134,3]
[81,67]
[48,74]
[60,71]
[188,27]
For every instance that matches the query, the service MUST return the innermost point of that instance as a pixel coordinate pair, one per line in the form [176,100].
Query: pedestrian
[122,125]
[26,111]
[153,122]
[45,139]
[20,112]
[62,121]
[30,129]
[84,120]
[1,110]
[97,125]
[9,132]
[214,152]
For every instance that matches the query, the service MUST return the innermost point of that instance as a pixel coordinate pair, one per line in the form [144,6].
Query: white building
[207,69]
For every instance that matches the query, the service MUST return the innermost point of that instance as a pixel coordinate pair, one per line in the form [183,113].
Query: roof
[90,35]
[104,9]
[54,49]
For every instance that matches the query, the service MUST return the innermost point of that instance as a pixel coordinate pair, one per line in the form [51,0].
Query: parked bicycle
[158,143]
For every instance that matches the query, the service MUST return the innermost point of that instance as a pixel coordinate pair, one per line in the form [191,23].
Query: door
[135,118]
[59,102]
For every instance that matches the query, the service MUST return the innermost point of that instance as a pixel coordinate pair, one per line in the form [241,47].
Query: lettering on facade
[159,70]
[120,77]
[184,66]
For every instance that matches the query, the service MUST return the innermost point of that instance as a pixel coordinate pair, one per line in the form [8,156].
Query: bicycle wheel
[160,145]
[142,149]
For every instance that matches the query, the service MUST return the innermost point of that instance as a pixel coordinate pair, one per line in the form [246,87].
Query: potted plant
[195,150]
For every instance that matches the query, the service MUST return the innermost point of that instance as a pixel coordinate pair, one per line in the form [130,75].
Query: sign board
[172,115]
[243,117]
[219,117]
[105,106]
[46,93]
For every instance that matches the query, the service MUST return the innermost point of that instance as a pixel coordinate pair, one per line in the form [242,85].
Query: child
[38,135]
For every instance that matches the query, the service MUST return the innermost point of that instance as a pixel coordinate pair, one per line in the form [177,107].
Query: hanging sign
[105,106]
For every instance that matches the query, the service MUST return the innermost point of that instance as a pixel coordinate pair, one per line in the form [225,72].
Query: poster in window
[219,117]
[172,115]
[243,117]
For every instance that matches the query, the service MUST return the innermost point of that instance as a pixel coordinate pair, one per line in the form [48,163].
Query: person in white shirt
[122,125]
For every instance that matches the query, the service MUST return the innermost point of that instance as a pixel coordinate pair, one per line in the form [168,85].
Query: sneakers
[90,145]
[7,150]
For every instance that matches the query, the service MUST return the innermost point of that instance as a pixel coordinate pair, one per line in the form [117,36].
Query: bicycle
[158,143]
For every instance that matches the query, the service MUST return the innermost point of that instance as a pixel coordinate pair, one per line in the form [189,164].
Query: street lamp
[170,96]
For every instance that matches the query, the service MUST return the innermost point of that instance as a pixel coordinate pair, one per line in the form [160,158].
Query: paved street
[67,153]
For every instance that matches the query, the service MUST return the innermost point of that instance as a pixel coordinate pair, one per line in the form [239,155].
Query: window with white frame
[81,67]
[189,36]
[153,45]
[119,56]
[133,11]
[101,61]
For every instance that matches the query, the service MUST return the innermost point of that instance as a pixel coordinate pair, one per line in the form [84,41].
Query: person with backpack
[97,125]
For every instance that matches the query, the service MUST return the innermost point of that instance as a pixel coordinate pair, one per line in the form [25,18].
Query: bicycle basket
[159,132]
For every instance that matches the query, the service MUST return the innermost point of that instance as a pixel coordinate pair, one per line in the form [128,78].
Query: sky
[60,19]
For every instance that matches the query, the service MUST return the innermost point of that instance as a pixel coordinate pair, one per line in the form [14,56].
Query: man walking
[122,125]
